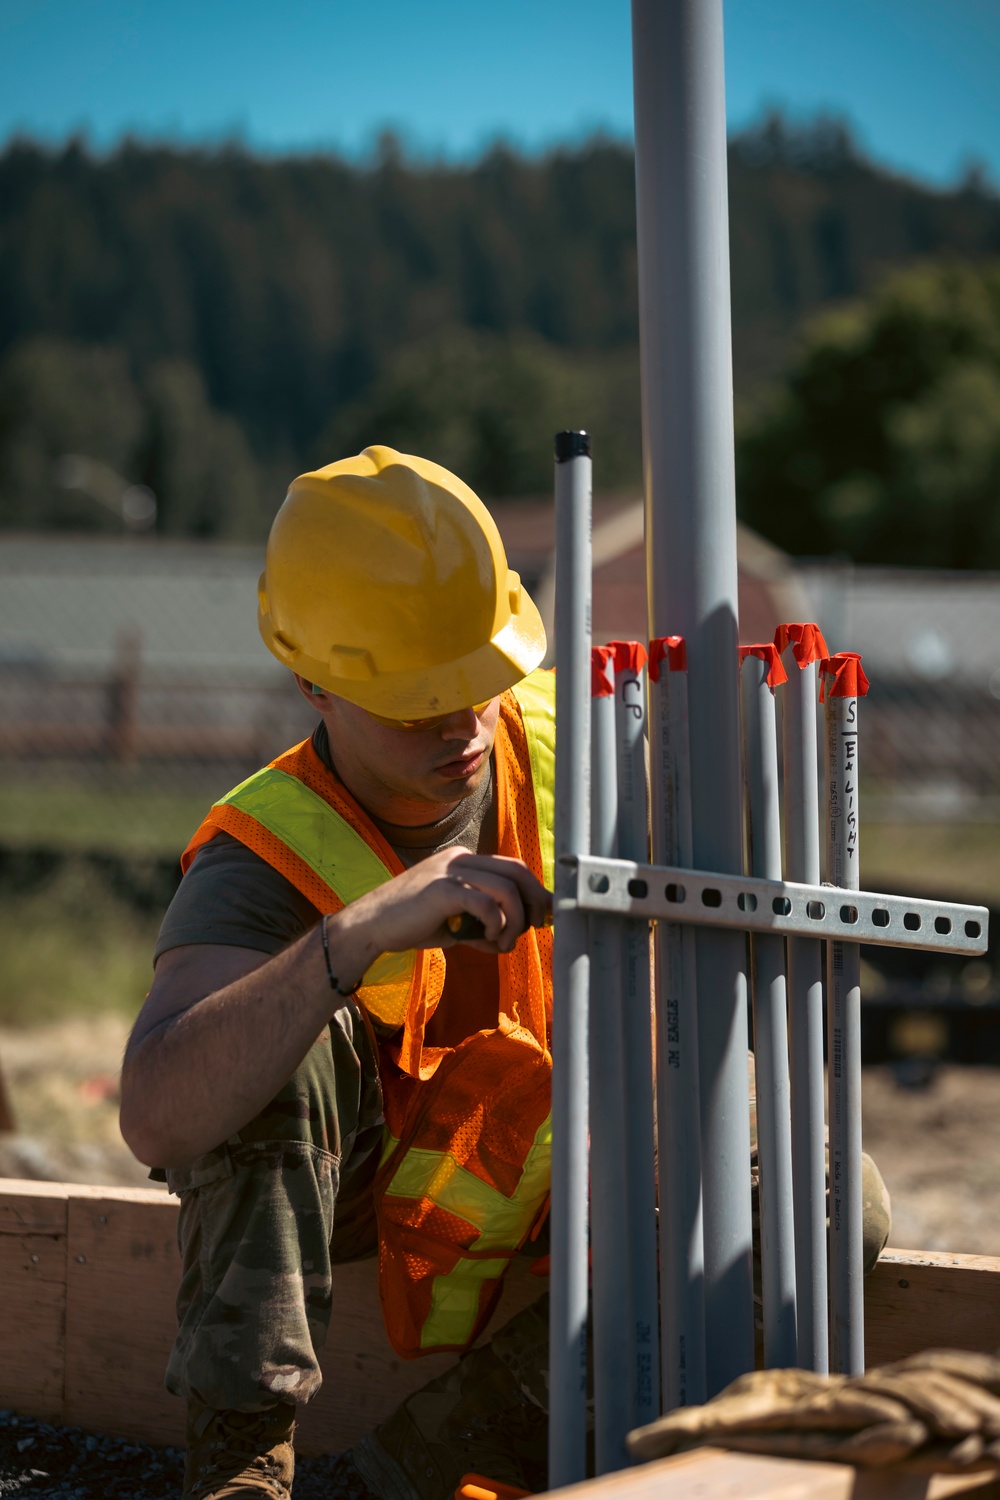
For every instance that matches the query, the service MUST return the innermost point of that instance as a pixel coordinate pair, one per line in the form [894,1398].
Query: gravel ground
[64,1463]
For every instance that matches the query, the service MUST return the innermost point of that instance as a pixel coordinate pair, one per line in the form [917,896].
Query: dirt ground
[63,1083]
[939,1151]
[938,1146]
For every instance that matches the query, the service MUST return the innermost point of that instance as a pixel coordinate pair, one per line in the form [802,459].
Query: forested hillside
[210,322]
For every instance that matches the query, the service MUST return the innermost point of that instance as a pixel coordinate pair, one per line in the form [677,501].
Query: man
[317,1046]
[324,1069]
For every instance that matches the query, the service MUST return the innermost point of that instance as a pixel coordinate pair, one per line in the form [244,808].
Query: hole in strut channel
[746,901]
[598,884]
[880,917]
[972,929]
[911,921]
[711,897]
[781,906]
[675,893]
[849,914]
[638,888]
[816,910]
[942,925]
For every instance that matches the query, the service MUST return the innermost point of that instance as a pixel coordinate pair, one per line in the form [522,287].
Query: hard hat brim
[517,649]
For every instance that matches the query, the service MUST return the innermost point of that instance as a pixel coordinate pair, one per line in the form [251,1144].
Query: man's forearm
[222,1031]
[197,1077]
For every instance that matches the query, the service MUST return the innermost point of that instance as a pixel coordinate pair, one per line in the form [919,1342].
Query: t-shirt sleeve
[232,896]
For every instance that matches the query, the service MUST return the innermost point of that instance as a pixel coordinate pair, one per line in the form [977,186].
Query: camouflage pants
[258,1234]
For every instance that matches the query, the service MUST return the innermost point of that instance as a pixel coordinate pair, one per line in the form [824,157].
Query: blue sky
[918,79]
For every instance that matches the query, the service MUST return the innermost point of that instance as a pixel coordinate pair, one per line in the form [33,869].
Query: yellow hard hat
[386,582]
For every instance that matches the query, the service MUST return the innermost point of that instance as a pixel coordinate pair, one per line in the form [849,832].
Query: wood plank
[122,1269]
[95,1316]
[980,1486]
[918,1299]
[32,1207]
[33,1298]
[712,1474]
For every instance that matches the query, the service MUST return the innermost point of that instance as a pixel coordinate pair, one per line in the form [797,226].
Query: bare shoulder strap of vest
[536,698]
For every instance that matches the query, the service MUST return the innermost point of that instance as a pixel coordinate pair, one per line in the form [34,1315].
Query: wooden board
[88,1278]
[37,1207]
[33,1299]
[928,1299]
[711,1474]
[122,1270]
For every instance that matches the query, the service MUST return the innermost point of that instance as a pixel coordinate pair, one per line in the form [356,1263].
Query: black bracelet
[334,981]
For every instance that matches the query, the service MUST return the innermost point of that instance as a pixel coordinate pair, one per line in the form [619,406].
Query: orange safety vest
[464,1174]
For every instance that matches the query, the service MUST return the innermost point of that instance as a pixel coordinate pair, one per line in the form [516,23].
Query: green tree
[58,397]
[884,441]
[196,460]
[487,405]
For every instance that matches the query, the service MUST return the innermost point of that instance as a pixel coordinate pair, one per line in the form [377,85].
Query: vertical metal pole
[686,366]
[570,971]
[609,1176]
[633,843]
[678,1113]
[758,677]
[844,682]
[805,991]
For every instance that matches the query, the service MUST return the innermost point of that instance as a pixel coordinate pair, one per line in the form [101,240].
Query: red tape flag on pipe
[767,652]
[627,656]
[601,685]
[806,641]
[671,649]
[849,680]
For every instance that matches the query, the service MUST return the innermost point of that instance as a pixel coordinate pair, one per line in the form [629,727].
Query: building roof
[70,603]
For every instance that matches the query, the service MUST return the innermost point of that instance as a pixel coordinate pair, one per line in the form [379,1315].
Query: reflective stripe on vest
[502,1223]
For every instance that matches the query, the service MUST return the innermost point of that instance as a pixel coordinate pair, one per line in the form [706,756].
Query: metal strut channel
[702,898]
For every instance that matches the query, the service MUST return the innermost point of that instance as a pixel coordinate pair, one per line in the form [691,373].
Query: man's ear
[315,696]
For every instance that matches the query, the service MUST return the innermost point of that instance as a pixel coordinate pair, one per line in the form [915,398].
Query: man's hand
[223,1028]
[413,910]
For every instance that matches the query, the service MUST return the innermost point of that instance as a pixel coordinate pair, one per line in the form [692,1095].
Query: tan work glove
[790,1412]
[938,1410]
[980,1369]
[956,1394]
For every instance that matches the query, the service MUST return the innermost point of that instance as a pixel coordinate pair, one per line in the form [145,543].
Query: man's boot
[236,1455]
